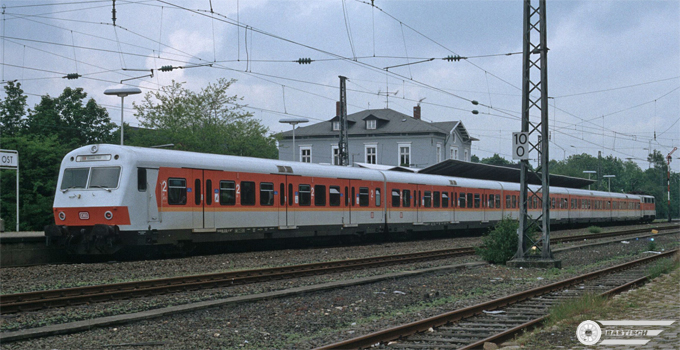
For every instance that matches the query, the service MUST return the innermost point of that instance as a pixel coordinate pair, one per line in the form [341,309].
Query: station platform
[22,237]
[28,248]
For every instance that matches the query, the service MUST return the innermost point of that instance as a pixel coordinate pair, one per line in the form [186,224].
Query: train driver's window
[305,194]
[320,195]
[445,199]
[461,200]
[363,196]
[227,192]
[378,200]
[177,191]
[406,197]
[436,199]
[396,198]
[266,193]
[141,179]
[334,196]
[247,193]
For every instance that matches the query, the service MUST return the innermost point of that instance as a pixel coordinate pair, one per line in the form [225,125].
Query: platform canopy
[481,171]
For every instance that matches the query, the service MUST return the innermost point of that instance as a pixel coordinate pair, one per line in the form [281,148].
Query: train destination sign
[9,159]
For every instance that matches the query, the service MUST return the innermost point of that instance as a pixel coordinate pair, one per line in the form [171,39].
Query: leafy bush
[500,243]
[651,246]
[661,267]
[594,229]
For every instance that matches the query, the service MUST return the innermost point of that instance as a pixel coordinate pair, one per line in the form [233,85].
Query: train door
[151,176]
[195,197]
[281,189]
[289,201]
[419,202]
[211,198]
[486,216]
[349,200]
[454,204]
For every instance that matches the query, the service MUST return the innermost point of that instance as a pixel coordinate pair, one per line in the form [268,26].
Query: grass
[594,229]
[576,309]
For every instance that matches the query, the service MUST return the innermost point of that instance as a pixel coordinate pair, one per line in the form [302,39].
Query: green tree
[74,122]
[12,109]
[210,121]
[496,160]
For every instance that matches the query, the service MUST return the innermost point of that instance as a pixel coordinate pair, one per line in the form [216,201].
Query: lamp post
[293,122]
[589,172]
[609,180]
[122,93]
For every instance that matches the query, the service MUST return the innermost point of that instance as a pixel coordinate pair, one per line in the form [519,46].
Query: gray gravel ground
[314,319]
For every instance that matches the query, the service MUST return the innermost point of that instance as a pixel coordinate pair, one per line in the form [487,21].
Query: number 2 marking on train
[164,186]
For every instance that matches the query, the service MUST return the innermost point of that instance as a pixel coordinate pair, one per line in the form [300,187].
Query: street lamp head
[293,121]
[123,92]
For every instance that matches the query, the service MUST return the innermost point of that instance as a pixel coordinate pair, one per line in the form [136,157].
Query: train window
[363,196]
[282,197]
[227,192]
[461,200]
[320,195]
[104,177]
[141,179]
[346,196]
[445,199]
[378,200]
[427,199]
[498,201]
[334,196]
[290,194]
[266,193]
[491,200]
[609,204]
[396,198]
[552,203]
[354,198]
[75,178]
[436,199]
[197,191]
[478,201]
[418,202]
[406,197]
[469,200]
[247,193]
[514,201]
[305,194]
[508,201]
[208,192]
[177,191]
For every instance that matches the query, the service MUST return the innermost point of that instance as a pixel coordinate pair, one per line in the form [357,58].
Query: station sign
[520,145]
[9,159]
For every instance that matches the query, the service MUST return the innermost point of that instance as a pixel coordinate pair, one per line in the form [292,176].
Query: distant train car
[112,197]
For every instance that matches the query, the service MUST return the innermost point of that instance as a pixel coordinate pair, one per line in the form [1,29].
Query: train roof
[154,157]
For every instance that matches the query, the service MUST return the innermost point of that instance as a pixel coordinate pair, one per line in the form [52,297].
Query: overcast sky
[613,66]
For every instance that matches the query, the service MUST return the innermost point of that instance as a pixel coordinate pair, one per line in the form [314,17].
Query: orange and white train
[112,197]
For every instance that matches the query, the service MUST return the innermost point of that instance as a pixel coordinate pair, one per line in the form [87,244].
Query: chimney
[337,108]
[416,112]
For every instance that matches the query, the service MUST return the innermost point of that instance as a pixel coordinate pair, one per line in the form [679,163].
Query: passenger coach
[111,197]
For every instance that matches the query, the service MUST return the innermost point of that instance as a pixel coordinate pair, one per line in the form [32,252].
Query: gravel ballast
[310,320]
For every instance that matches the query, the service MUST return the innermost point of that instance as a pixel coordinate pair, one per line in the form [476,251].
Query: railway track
[471,327]
[30,301]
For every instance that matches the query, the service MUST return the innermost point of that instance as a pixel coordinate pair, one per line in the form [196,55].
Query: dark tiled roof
[392,122]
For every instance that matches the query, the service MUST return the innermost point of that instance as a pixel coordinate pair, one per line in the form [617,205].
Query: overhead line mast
[536,253]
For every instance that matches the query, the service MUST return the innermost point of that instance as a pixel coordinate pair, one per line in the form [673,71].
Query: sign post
[9,159]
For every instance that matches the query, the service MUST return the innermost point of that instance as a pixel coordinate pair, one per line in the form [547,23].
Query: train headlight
[62,216]
[108,215]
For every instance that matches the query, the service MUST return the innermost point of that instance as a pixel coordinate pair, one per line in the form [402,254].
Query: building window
[335,155]
[306,154]
[336,126]
[453,137]
[439,152]
[371,124]
[371,155]
[454,152]
[466,156]
[405,155]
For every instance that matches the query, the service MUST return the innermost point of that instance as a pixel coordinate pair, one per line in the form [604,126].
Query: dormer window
[371,124]
[336,126]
